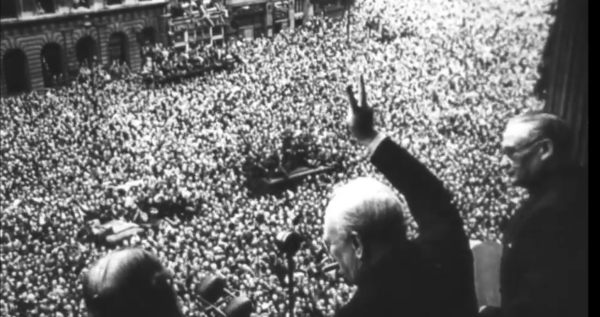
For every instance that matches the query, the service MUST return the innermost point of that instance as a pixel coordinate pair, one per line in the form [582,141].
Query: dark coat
[544,268]
[432,275]
[393,288]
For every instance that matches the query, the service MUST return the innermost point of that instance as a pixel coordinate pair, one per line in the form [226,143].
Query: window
[8,9]
[191,36]
[179,37]
[176,10]
[82,3]
[28,6]
[299,6]
[52,65]
[117,48]
[86,50]
[47,5]
[200,33]
[203,34]
[148,36]
[277,27]
[15,71]
[113,2]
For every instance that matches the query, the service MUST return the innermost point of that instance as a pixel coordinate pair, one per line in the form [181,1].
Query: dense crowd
[164,64]
[444,90]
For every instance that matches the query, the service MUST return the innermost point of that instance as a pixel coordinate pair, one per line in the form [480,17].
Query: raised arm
[429,202]
[442,242]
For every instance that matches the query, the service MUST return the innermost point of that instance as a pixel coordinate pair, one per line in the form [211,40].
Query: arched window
[14,63]
[86,50]
[117,48]
[52,65]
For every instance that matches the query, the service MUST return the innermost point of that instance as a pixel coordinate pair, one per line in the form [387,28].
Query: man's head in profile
[535,145]
[129,282]
[363,222]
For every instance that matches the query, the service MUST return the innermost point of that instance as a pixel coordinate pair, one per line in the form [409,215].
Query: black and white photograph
[283,158]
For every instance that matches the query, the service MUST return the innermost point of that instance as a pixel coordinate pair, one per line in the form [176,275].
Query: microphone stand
[289,243]
[291,267]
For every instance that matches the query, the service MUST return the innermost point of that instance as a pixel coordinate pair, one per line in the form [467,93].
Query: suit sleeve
[429,202]
[442,240]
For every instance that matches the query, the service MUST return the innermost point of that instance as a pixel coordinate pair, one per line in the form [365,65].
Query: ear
[547,150]
[357,245]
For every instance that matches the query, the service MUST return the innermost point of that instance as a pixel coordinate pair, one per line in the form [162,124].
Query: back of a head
[129,282]
[370,208]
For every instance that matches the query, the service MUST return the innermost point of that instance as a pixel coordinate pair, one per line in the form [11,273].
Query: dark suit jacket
[432,275]
[393,288]
[544,261]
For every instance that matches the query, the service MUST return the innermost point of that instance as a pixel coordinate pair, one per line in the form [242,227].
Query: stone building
[42,40]
[196,22]
[255,18]
[195,25]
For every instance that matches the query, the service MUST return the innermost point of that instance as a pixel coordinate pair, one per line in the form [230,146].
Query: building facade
[195,22]
[42,40]
[256,18]
[193,26]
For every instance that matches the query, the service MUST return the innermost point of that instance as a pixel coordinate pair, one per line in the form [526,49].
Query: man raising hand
[365,233]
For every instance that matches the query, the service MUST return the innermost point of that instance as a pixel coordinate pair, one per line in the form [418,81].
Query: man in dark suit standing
[365,233]
[544,267]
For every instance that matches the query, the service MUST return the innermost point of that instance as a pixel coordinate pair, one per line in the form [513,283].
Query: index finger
[353,101]
[363,92]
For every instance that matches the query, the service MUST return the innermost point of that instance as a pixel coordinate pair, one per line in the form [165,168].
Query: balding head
[368,207]
[130,282]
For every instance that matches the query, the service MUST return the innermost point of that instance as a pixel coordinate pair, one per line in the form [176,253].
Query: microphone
[288,242]
[211,290]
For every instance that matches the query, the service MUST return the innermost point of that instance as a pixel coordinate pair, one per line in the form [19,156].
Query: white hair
[368,207]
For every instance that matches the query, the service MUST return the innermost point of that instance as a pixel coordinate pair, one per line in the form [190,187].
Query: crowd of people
[164,64]
[448,86]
